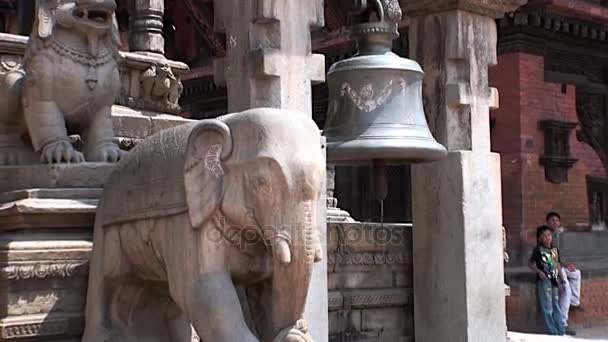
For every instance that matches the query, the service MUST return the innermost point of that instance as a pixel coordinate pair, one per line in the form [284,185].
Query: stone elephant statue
[211,224]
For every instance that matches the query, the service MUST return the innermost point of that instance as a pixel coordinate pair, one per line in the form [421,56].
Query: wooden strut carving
[592,113]
[205,25]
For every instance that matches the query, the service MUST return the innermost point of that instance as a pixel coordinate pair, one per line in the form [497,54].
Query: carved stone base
[45,243]
[338,215]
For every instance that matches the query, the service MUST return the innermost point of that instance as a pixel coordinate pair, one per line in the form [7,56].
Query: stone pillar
[457,238]
[146,26]
[268,61]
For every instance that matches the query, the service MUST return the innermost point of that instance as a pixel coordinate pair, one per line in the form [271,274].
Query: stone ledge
[369,298]
[84,175]
[138,124]
[358,237]
[48,208]
[39,325]
[590,269]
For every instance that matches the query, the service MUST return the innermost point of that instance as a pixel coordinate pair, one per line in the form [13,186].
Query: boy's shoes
[577,308]
[570,332]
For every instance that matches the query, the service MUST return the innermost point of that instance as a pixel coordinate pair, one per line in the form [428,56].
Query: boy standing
[570,291]
[545,262]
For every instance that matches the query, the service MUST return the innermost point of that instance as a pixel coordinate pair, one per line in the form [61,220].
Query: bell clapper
[380,185]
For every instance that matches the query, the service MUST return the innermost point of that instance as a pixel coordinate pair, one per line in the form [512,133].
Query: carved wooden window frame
[597,197]
[556,158]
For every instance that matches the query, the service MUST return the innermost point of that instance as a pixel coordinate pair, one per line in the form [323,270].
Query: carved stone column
[146,26]
[268,53]
[457,211]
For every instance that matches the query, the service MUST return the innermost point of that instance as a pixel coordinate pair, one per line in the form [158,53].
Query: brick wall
[525,100]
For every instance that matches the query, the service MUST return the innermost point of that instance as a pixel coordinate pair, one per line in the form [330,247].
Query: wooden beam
[333,15]
[203,18]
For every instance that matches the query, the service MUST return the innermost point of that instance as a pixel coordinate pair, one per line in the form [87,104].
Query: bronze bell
[375,97]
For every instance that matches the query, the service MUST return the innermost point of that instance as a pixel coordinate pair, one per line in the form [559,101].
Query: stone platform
[45,243]
[46,225]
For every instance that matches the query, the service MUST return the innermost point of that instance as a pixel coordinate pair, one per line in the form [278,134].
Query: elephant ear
[209,145]
[46,18]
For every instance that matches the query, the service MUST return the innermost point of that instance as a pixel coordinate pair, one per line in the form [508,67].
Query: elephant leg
[107,266]
[179,327]
[213,308]
[138,312]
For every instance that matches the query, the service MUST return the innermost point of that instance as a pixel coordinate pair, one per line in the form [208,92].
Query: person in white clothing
[570,287]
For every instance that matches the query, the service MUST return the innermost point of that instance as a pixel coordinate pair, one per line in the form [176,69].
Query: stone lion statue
[67,84]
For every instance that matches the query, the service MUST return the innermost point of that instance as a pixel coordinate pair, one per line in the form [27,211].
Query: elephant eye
[262,182]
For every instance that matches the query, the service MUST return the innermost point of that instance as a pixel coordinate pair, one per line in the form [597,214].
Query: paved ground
[594,334]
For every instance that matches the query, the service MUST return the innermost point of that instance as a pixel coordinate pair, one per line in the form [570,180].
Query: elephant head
[261,171]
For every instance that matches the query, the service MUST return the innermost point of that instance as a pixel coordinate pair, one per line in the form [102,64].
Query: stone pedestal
[457,212]
[46,224]
[45,243]
[457,248]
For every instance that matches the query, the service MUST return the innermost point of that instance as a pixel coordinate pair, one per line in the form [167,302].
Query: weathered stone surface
[268,59]
[457,201]
[43,276]
[86,175]
[460,240]
[146,26]
[65,55]
[151,82]
[135,124]
[456,76]
[207,180]
[358,280]
[379,319]
[365,275]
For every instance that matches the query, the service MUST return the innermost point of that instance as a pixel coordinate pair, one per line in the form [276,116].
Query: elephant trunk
[294,253]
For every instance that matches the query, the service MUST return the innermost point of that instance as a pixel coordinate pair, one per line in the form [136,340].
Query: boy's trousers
[569,292]
[548,301]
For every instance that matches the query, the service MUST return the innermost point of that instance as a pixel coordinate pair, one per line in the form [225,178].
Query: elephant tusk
[281,251]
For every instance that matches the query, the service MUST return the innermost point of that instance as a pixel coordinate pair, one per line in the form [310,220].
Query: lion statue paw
[60,151]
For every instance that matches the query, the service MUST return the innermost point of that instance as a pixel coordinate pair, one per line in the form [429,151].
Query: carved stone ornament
[43,270]
[203,214]
[67,85]
[159,88]
[557,159]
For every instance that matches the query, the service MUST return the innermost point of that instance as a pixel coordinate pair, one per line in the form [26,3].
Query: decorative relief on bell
[394,10]
[364,99]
